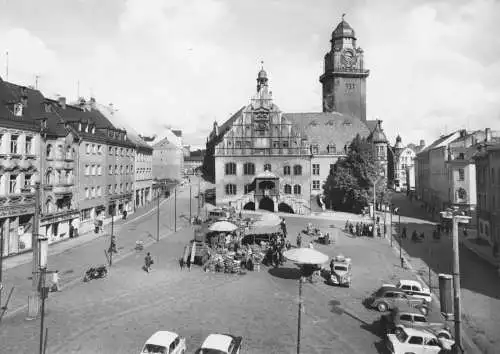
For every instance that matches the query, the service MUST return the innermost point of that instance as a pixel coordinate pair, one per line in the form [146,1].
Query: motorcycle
[95,273]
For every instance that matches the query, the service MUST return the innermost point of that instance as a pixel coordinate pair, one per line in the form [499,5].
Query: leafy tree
[349,186]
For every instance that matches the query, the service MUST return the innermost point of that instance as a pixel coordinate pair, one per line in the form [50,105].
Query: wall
[324,162]
[438,177]
[168,162]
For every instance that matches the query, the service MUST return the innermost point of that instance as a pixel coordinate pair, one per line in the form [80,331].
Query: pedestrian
[403,234]
[181,263]
[148,262]
[188,263]
[55,281]
[299,240]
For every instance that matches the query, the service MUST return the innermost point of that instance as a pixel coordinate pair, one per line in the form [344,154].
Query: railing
[63,189]
[262,152]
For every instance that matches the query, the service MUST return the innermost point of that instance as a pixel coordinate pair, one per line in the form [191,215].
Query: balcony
[62,164]
[63,189]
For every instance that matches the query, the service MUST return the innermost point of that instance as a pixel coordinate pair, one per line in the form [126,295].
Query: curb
[495,264]
[79,279]
[469,342]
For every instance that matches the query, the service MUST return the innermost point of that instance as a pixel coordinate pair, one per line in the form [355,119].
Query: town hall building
[263,158]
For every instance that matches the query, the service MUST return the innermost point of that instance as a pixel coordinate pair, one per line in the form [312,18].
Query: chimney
[422,142]
[487,135]
[81,102]
[92,102]
[62,102]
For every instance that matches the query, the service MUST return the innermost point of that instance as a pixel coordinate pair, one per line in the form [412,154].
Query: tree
[349,186]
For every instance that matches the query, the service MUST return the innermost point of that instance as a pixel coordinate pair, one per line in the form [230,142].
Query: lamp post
[43,248]
[390,221]
[456,219]
[198,174]
[190,202]
[175,209]
[158,195]
[33,298]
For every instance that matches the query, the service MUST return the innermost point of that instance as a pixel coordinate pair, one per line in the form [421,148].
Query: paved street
[72,257]
[116,315]
[479,280]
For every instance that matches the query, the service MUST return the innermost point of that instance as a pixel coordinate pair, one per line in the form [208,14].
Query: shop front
[118,204]
[60,225]
[16,226]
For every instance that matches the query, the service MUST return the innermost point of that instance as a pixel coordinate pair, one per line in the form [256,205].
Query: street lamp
[157,212]
[198,174]
[33,298]
[456,219]
[43,247]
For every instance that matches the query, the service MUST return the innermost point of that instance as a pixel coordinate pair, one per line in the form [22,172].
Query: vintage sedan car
[389,297]
[409,317]
[165,342]
[416,341]
[342,271]
[414,288]
[221,344]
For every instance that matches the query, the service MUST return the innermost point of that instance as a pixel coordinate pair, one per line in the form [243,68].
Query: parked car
[221,344]
[165,342]
[389,297]
[416,341]
[414,288]
[409,317]
[341,268]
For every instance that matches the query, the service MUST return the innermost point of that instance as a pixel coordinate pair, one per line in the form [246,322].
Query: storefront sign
[58,217]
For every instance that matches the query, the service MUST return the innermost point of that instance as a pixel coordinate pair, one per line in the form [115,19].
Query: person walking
[148,262]
[403,234]
[181,263]
[55,281]
[299,240]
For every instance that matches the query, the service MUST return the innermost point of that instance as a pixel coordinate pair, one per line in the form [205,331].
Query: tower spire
[343,15]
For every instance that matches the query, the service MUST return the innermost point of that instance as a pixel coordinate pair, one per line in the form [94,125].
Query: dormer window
[18,109]
[86,128]
[331,149]
[48,107]
[93,130]
[79,127]
[315,149]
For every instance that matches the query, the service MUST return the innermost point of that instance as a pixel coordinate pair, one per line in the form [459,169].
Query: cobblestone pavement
[117,314]
[73,257]
[480,283]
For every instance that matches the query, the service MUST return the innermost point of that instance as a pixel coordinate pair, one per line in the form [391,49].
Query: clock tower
[344,79]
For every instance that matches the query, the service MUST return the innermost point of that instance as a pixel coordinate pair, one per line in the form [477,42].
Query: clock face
[348,58]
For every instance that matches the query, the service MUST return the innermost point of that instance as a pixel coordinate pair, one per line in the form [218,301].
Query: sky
[434,65]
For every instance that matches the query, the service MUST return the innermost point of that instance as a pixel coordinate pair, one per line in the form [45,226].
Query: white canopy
[306,256]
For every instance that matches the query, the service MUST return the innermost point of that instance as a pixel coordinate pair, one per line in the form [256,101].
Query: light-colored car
[415,289]
[165,342]
[416,341]
[341,268]
[221,344]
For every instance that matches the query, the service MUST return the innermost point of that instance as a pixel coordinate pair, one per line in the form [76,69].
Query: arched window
[50,151]
[230,168]
[286,170]
[267,167]
[231,189]
[48,177]
[297,189]
[248,168]
[247,188]
[297,170]
[288,189]
[49,206]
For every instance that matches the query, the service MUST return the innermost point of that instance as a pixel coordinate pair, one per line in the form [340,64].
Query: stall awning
[259,230]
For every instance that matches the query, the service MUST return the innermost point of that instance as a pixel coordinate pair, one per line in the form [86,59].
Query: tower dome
[261,78]
[262,74]
[343,30]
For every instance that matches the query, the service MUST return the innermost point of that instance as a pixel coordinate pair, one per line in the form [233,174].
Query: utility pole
[111,239]
[374,204]
[158,218]
[199,195]
[299,320]
[33,299]
[400,242]
[43,293]
[190,203]
[390,220]
[175,209]
[1,268]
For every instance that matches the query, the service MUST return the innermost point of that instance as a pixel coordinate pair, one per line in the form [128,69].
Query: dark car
[389,297]
[410,317]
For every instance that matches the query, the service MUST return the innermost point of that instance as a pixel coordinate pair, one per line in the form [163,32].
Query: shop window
[248,168]
[297,189]
[230,189]
[288,189]
[297,170]
[315,169]
[230,168]
[286,170]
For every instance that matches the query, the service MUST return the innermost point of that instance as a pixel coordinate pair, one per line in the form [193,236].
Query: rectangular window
[27,181]
[13,144]
[285,144]
[316,169]
[110,150]
[315,185]
[93,192]
[87,193]
[99,192]
[315,149]
[99,149]
[28,145]
[87,170]
[87,148]
[99,170]
[93,170]
[94,149]
[276,144]
[85,214]
[461,174]
[116,188]
[110,189]
[13,184]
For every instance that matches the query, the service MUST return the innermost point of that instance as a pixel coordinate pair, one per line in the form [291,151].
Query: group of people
[278,244]
[363,229]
